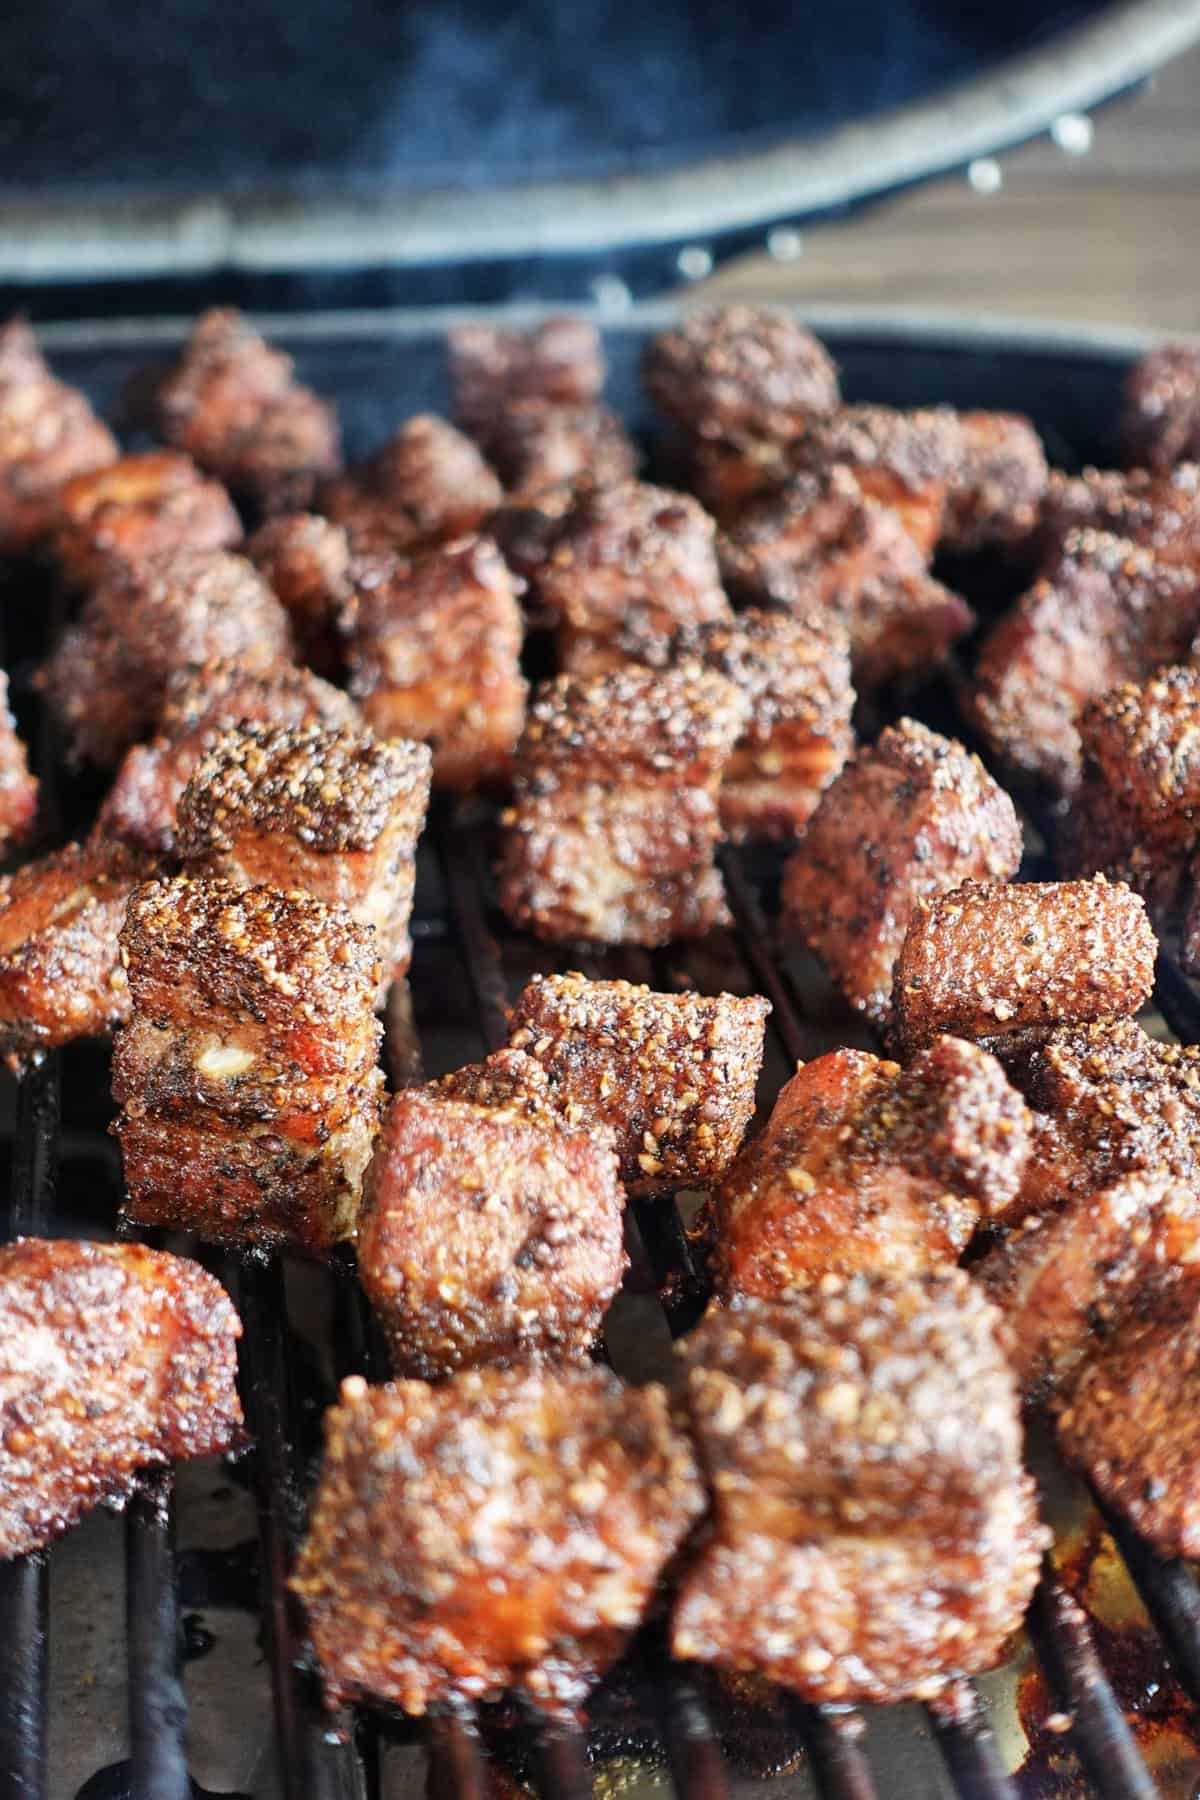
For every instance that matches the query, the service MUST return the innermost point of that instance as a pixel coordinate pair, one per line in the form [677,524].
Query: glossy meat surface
[433,645]
[426,485]
[904,461]
[506,1530]
[246,1078]
[910,817]
[487,1236]
[741,375]
[985,960]
[867,1168]
[672,1075]
[116,516]
[109,675]
[1160,417]
[875,1534]
[305,561]
[48,434]
[18,788]
[559,362]
[995,492]
[112,1357]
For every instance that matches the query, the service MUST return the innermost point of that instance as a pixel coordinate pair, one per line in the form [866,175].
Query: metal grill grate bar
[157,1704]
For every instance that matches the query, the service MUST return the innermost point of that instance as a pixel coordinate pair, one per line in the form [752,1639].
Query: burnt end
[336,814]
[653,728]
[48,435]
[305,561]
[1067,1280]
[60,972]
[109,676]
[985,960]
[487,1236]
[427,485]
[559,363]
[1159,510]
[433,645]
[114,517]
[18,788]
[905,461]
[911,817]
[537,448]
[1160,416]
[741,375]
[142,804]
[874,1533]
[867,1168]
[995,492]
[507,1078]
[589,1492]
[671,1075]
[1107,611]
[233,404]
[112,1357]
[246,1079]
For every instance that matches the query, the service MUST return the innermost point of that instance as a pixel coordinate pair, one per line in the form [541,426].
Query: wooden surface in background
[1112,236]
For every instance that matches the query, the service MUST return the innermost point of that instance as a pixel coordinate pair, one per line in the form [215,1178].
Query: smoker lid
[169,137]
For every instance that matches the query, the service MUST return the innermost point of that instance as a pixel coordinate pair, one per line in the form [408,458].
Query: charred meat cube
[1159,510]
[60,972]
[1131,1425]
[1066,1280]
[433,645]
[904,461]
[536,448]
[233,403]
[115,517]
[742,375]
[109,675]
[487,1235]
[672,1075]
[867,1168]
[874,1534]
[426,485]
[910,817]
[246,1078]
[335,814]
[615,826]
[48,434]
[995,492]
[588,1490]
[559,363]
[818,542]
[202,703]
[305,561]
[112,1357]
[1105,612]
[1160,419]
[18,788]
[985,960]
[507,1078]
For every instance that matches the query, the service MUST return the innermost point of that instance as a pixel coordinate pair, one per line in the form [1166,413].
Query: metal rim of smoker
[42,240]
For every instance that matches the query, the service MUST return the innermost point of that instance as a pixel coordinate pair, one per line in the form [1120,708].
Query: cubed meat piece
[875,1535]
[741,375]
[142,804]
[1067,1280]
[627,547]
[48,434]
[336,814]
[1160,510]
[672,1075]
[1106,611]
[60,972]
[1160,419]
[109,676]
[433,645]
[247,1079]
[995,492]
[232,402]
[536,448]
[507,1078]
[819,542]
[112,1357]
[910,817]
[305,561]
[427,485]
[867,1168]
[114,517]
[794,671]
[986,960]
[557,363]
[615,826]
[18,788]
[1131,1426]
[487,1236]
[588,1492]
[904,461]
